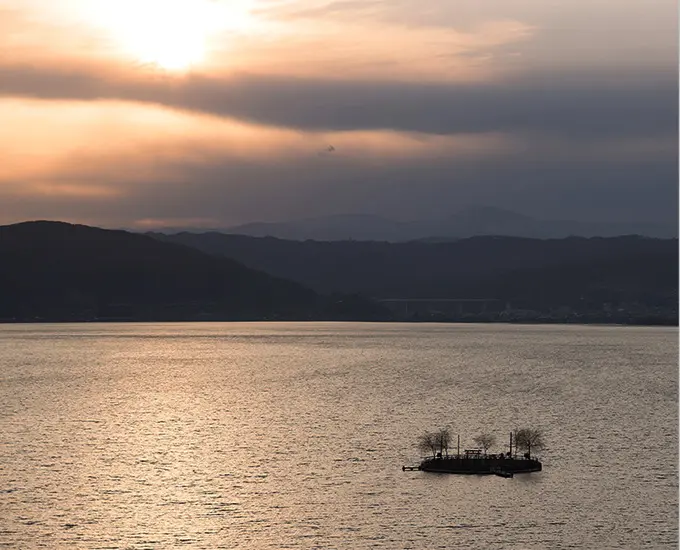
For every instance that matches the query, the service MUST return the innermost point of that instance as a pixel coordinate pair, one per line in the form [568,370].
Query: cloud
[387,50]
[592,33]
[225,191]
[463,75]
[561,104]
[429,106]
[160,166]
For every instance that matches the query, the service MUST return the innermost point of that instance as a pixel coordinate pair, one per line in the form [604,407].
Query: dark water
[293,436]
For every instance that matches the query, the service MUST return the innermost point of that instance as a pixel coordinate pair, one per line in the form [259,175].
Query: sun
[170,34]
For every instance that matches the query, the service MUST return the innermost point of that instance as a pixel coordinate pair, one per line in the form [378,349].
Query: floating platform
[504,467]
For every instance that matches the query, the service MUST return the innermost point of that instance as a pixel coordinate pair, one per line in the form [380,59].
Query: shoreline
[367,321]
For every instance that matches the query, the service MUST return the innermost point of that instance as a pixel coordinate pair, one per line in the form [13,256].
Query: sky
[210,113]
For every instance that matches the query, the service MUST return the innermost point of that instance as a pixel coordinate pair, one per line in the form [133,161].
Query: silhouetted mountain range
[59,271]
[576,272]
[465,223]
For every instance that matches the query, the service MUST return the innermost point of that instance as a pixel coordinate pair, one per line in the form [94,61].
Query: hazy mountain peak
[467,222]
[490,213]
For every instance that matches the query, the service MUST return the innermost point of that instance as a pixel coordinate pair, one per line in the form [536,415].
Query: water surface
[135,436]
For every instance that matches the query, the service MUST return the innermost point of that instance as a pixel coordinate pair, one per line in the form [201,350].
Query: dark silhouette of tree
[435,442]
[485,441]
[427,443]
[443,439]
[528,439]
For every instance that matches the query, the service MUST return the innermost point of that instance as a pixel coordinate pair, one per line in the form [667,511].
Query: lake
[293,435]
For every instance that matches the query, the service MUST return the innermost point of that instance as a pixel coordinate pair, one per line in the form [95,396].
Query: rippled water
[291,435]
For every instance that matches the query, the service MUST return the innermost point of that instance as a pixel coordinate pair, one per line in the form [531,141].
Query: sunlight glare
[170,34]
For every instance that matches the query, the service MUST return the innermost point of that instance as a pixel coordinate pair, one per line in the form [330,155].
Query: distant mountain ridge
[59,271]
[469,222]
[575,272]
[54,271]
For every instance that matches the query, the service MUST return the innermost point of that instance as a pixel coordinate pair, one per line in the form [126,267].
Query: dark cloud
[585,104]
[555,118]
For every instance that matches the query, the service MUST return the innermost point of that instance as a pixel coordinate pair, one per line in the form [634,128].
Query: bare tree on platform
[528,439]
[443,437]
[435,442]
[427,443]
[485,441]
